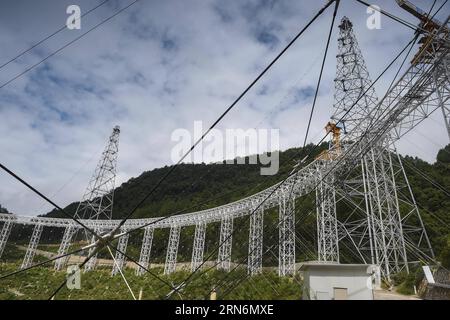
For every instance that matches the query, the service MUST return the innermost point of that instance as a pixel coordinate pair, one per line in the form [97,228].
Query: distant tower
[97,201]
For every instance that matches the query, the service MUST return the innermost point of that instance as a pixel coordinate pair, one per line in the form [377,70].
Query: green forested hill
[193,185]
[199,186]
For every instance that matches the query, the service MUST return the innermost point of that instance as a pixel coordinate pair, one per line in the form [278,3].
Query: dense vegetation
[195,186]
[41,283]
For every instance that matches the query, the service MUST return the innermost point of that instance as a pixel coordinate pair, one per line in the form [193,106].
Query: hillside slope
[191,185]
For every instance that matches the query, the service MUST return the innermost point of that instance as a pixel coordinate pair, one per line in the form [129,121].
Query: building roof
[369,268]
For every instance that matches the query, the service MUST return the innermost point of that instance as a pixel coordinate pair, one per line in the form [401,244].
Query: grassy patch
[40,283]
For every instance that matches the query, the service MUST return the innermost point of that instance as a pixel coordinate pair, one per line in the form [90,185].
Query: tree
[3,209]
[444,155]
[445,254]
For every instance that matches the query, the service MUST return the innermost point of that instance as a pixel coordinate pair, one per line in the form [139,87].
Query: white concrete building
[333,281]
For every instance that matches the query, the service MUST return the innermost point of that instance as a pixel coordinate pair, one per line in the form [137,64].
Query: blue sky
[159,66]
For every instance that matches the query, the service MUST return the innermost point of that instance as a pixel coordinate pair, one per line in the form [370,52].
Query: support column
[146,248]
[255,242]
[386,221]
[64,246]
[172,250]
[225,243]
[199,246]
[120,258]
[420,233]
[90,265]
[327,230]
[4,235]
[377,196]
[286,264]
[31,250]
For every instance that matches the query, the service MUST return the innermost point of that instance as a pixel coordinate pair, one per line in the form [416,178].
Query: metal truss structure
[226,243]
[445,112]
[4,235]
[376,180]
[146,248]
[327,229]
[364,172]
[97,201]
[199,246]
[286,228]
[64,247]
[352,82]
[121,249]
[255,245]
[385,217]
[92,253]
[172,250]
[32,246]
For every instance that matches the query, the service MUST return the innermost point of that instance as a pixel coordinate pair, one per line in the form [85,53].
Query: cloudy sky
[159,66]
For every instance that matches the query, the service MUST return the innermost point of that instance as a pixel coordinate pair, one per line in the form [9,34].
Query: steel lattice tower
[327,230]
[354,100]
[286,231]
[32,246]
[120,257]
[199,246]
[146,248]
[255,246]
[225,241]
[172,250]
[97,201]
[352,80]
[372,188]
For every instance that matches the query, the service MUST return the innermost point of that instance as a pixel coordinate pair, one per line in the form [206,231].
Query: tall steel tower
[351,82]
[97,201]
[377,227]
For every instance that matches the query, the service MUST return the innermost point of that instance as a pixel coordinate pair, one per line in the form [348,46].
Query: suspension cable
[20,54]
